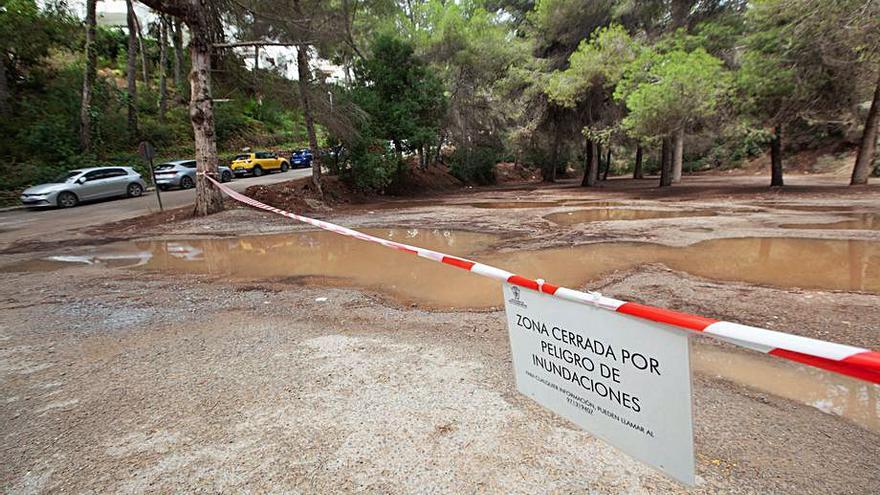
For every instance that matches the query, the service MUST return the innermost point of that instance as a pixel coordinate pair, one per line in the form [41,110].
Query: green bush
[731,148]
[371,166]
[474,165]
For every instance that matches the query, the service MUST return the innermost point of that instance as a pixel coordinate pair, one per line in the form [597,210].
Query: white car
[182,174]
[85,184]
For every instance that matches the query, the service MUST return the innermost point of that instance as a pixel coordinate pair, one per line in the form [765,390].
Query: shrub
[371,167]
[474,165]
[731,148]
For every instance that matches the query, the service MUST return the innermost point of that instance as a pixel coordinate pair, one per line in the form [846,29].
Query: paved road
[30,224]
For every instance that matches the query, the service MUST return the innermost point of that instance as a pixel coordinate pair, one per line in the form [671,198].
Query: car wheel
[134,190]
[67,200]
[186,182]
[225,177]
[284,167]
[163,188]
[258,171]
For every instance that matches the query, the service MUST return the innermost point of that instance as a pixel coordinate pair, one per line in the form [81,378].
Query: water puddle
[835,394]
[597,204]
[328,259]
[501,205]
[773,261]
[489,205]
[814,208]
[323,258]
[497,205]
[856,221]
[604,215]
[127,257]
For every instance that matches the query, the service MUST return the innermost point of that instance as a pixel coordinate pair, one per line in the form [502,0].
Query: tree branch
[175,8]
[236,44]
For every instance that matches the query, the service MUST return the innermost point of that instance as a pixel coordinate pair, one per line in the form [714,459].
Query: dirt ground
[116,380]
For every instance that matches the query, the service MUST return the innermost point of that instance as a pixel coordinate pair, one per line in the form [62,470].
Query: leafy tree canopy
[667,91]
[405,101]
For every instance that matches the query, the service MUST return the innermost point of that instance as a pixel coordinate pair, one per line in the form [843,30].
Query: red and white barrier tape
[844,359]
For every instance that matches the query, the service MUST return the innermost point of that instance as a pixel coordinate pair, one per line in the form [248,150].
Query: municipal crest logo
[516,301]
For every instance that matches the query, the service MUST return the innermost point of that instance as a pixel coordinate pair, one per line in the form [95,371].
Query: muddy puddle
[814,208]
[327,259]
[127,256]
[487,205]
[502,204]
[772,261]
[605,215]
[854,221]
[853,399]
[499,205]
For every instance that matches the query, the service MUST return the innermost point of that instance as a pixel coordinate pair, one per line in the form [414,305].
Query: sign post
[623,379]
[145,149]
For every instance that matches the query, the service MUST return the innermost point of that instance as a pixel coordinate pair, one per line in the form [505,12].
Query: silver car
[182,174]
[85,184]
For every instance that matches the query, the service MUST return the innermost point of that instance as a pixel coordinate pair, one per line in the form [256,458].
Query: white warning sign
[623,379]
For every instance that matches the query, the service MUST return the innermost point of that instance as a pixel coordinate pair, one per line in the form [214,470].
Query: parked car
[85,184]
[182,174]
[258,163]
[301,158]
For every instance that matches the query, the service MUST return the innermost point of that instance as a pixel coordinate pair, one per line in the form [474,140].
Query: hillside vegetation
[595,87]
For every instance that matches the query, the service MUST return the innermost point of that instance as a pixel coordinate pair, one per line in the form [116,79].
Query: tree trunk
[776,158]
[201,112]
[256,73]
[868,147]
[196,14]
[85,109]
[590,165]
[594,163]
[549,172]
[607,163]
[679,12]
[163,63]
[437,155]
[678,154]
[637,170]
[666,164]
[177,40]
[131,72]
[663,153]
[302,66]
[143,52]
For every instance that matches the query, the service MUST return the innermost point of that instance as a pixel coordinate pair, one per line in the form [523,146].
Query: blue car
[301,159]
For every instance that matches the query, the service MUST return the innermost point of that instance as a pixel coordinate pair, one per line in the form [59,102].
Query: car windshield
[242,157]
[165,166]
[68,177]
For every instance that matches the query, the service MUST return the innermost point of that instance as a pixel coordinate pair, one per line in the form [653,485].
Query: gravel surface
[120,381]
